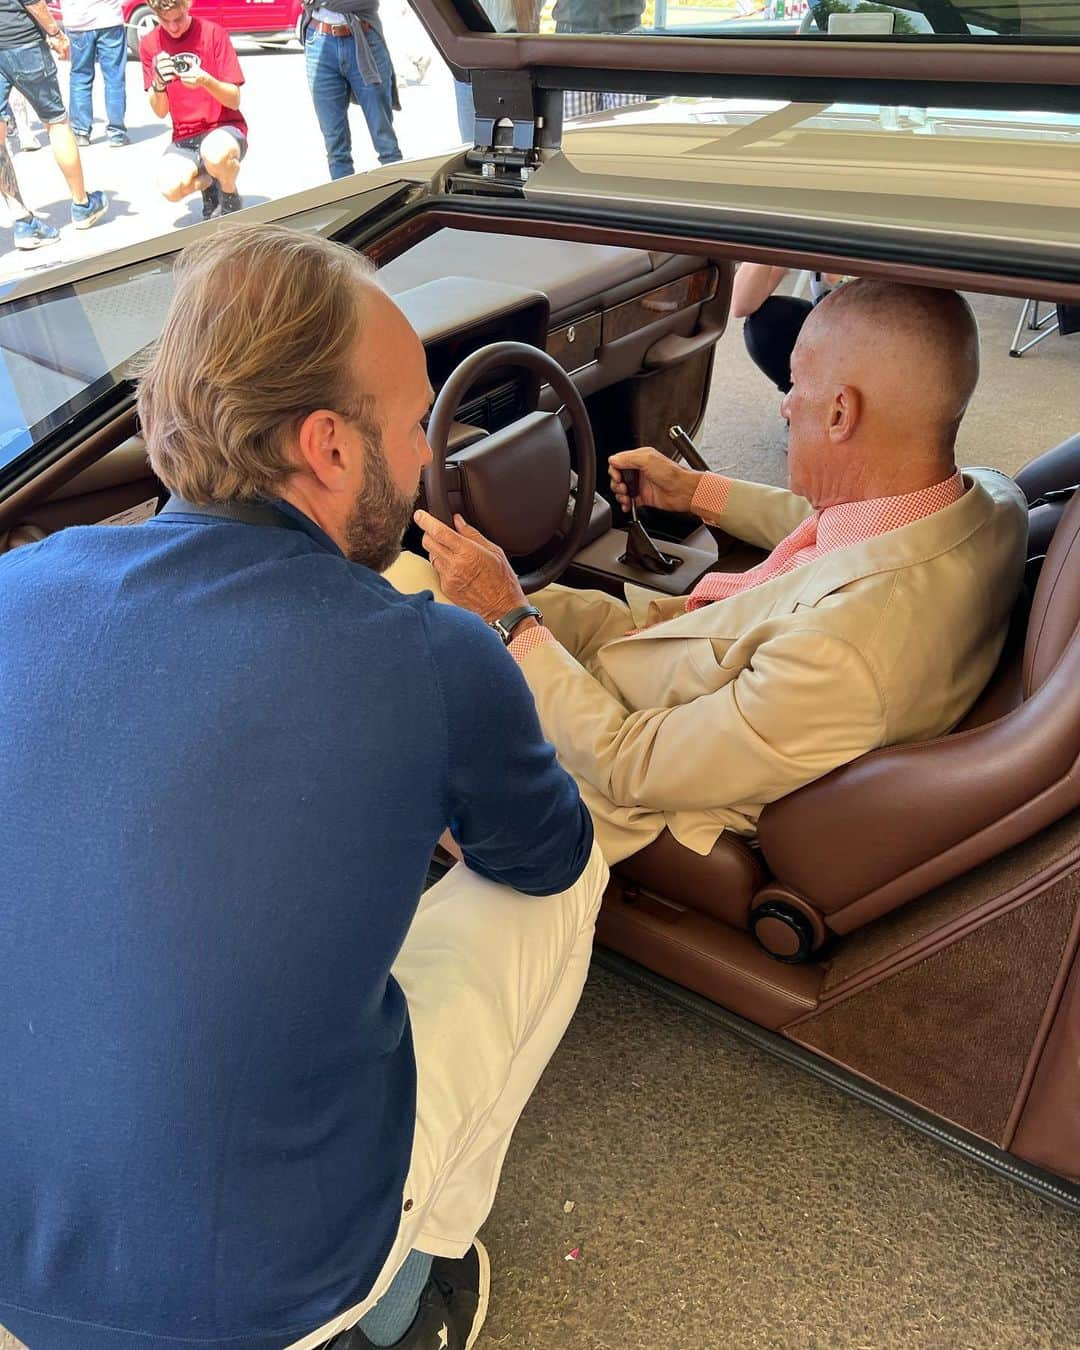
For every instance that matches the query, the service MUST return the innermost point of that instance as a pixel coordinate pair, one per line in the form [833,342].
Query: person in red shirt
[192,74]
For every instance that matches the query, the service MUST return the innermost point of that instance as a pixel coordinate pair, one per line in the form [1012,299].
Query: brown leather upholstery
[711,958]
[721,884]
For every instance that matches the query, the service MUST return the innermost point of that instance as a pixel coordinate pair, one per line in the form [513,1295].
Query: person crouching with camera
[192,75]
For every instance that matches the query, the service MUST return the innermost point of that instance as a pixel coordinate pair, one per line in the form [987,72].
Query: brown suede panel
[954,1032]
[893,932]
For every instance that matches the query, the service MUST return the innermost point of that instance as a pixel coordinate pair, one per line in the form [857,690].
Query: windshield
[65,348]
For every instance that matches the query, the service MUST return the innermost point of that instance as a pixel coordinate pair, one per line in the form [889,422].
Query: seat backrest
[1055,608]
[1032,646]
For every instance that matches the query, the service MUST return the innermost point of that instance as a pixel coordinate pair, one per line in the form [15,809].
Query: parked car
[909,925]
[271,23]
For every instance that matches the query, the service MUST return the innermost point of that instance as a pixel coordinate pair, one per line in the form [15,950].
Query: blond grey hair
[260,333]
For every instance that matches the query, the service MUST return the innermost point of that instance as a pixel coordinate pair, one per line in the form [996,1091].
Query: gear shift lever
[640,549]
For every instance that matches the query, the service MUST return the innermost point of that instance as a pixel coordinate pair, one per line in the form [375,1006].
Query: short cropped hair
[261,332]
[940,322]
[163,6]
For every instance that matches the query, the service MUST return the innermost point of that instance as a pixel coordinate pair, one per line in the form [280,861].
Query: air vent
[495,408]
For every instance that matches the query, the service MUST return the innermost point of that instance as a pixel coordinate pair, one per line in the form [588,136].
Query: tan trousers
[492,979]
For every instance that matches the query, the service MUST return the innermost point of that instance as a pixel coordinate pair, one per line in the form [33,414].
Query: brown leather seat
[891,825]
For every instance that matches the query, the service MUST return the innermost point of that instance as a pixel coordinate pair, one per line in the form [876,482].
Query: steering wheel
[515,482]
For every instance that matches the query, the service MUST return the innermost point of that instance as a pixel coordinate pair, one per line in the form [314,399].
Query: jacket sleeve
[759,514]
[807,703]
[516,813]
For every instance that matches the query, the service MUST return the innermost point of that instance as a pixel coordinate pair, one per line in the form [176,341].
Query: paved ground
[286,154]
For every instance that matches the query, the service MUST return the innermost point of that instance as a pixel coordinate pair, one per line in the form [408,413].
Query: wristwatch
[506,625]
[57,32]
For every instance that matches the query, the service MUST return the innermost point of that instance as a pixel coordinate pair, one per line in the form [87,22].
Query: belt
[331,29]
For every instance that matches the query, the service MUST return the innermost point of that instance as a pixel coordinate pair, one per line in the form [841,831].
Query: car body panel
[243,18]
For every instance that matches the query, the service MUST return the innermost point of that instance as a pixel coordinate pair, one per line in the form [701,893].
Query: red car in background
[269,22]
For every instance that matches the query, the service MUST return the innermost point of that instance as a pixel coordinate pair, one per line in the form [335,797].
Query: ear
[845,413]
[324,447]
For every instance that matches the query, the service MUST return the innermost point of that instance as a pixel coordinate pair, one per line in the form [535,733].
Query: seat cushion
[721,884]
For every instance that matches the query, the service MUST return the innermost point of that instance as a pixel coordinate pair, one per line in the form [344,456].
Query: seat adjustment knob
[782,931]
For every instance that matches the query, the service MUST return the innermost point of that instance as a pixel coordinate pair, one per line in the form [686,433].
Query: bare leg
[66,150]
[178,178]
[221,155]
[9,184]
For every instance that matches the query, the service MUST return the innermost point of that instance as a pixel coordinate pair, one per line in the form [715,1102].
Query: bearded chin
[379,518]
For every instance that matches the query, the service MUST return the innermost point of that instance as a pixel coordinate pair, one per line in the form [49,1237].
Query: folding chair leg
[1029,317]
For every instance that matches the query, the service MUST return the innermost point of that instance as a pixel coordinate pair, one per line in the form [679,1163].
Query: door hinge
[515,122]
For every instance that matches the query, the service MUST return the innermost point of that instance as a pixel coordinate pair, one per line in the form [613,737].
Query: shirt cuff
[710,495]
[519,647]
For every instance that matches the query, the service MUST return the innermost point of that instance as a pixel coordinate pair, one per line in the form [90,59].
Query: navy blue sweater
[226,753]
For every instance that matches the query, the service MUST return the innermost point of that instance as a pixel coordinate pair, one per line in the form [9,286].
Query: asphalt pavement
[285,153]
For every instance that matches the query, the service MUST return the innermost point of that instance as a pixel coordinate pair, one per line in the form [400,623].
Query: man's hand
[59,45]
[664,483]
[165,67]
[473,572]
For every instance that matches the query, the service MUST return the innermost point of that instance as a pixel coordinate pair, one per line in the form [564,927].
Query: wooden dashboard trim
[642,310]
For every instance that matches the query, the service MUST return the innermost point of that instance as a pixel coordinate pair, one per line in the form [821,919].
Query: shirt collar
[275,513]
[852,522]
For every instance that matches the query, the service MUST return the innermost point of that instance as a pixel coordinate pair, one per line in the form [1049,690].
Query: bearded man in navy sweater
[257,1086]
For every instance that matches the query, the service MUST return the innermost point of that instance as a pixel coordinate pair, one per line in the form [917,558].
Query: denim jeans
[333,74]
[107,46]
[31,70]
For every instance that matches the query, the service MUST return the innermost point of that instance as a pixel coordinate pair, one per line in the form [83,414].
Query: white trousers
[492,979]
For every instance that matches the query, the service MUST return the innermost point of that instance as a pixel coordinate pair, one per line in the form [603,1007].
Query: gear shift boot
[640,549]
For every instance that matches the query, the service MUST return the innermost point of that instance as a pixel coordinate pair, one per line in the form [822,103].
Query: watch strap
[506,625]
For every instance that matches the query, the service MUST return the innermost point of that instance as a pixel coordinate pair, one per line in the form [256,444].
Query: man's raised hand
[473,572]
[663,483]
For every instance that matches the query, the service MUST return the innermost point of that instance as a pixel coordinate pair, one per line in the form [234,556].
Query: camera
[182,64]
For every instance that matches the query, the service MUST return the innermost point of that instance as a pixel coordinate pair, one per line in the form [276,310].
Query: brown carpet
[725,1201]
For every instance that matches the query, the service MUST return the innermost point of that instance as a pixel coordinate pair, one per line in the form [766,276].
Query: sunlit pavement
[285,155]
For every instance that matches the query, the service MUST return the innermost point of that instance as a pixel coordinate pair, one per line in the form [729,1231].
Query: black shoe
[452,1308]
[230,202]
[465,1285]
[211,199]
